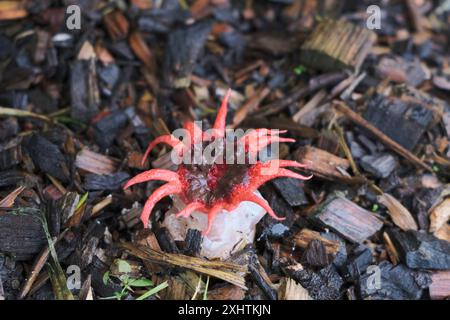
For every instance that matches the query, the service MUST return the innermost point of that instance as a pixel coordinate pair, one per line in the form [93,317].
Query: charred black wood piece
[419,250]
[11,178]
[388,282]
[11,276]
[193,242]
[273,228]
[97,269]
[402,121]
[357,264]
[259,276]
[8,127]
[110,182]
[107,129]
[47,157]
[183,48]
[21,235]
[323,285]
[165,241]
[291,191]
[10,153]
[380,165]
[84,92]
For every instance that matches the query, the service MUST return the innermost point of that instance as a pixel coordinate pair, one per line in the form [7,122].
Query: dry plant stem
[380,135]
[37,267]
[300,91]
[349,157]
[229,272]
[346,149]
[10,112]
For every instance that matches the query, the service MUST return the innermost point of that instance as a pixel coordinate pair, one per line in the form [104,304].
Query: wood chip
[21,235]
[93,162]
[322,163]
[291,290]
[10,153]
[334,45]
[347,219]
[440,287]
[304,237]
[443,233]
[439,215]
[383,138]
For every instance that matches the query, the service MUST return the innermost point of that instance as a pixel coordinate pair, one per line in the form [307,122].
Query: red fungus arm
[154,174]
[158,194]
[219,124]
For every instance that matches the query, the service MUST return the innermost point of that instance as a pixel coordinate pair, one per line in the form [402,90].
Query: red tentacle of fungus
[212,188]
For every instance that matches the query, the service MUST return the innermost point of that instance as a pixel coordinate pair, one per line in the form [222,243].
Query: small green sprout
[300,69]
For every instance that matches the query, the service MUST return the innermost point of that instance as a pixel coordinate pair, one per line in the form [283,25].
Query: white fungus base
[230,231]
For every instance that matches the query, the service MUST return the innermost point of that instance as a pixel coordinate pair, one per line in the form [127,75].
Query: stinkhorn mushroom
[213,187]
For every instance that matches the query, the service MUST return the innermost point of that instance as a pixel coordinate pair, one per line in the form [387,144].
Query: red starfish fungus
[213,187]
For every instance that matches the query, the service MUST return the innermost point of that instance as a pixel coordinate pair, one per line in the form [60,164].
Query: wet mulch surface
[368,109]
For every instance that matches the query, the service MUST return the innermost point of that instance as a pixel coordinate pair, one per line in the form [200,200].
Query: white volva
[230,231]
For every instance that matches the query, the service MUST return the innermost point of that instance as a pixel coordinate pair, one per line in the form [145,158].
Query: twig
[37,267]
[380,135]
[414,14]
[346,149]
[299,92]
[349,156]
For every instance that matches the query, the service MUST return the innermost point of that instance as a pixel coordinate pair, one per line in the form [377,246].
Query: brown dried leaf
[8,201]
[141,50]
[398,213]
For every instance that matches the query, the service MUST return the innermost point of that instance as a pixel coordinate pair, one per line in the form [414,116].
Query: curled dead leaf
[398,213]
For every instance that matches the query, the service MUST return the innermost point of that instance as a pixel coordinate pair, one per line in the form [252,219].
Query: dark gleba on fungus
[213,186]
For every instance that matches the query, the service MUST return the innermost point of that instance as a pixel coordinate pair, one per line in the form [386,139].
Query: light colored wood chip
[443,233]
[291,290]
[94,162]
[439,215]
[440,287]
[322,163]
